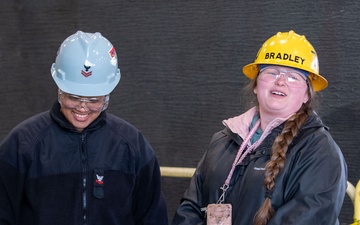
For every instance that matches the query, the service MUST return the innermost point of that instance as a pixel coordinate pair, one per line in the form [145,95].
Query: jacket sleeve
[149,207]
[200,192]
[189,211]
[314,184]
[11,183]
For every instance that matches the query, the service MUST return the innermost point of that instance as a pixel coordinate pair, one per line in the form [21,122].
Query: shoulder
[121,126]
[225,136]
[130,134]
[315,132]
[224,143]
[32,127]
[315,144]
[22,139]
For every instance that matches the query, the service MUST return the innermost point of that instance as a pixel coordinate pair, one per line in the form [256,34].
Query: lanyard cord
[238,159]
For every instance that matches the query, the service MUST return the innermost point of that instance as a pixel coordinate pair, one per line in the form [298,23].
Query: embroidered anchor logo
[86,73]
[99,179]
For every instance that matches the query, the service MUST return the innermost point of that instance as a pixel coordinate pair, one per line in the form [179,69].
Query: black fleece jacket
[106,175]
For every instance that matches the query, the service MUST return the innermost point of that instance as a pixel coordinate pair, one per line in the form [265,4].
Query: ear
[306,98]
[255,90]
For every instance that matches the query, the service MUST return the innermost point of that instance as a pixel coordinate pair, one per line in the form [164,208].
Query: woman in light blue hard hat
[77,164]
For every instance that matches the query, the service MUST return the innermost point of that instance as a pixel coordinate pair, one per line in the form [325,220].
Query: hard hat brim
[86,89]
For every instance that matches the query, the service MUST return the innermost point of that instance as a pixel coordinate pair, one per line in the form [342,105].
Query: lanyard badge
[220,213]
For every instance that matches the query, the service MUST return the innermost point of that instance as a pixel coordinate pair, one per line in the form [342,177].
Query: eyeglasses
[271,74]
[74,101]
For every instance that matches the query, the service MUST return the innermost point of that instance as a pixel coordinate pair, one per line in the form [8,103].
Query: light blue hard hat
[86,65]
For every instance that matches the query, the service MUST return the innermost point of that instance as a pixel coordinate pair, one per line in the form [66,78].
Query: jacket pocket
[98,190]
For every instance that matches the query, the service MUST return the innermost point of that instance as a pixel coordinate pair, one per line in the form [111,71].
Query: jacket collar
[240,124]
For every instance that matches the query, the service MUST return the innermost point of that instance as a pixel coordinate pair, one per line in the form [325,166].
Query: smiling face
[80,118]
[278,99]
[81,111]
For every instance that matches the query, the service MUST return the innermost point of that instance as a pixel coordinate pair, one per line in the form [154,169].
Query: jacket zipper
[84,177]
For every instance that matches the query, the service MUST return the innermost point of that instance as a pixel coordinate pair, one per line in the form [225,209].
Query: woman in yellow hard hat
[270,165]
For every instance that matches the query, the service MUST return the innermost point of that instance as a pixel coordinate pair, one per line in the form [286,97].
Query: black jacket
[309,190]
[106,175]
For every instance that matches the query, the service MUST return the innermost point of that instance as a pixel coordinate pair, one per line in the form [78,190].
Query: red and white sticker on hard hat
[112,52]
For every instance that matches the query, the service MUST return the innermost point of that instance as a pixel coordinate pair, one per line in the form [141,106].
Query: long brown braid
[278,157]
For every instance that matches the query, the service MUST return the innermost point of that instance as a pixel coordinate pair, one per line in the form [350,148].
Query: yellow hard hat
[292,50]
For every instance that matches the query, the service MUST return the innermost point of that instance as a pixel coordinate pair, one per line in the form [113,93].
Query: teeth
[82,116]
[278,93]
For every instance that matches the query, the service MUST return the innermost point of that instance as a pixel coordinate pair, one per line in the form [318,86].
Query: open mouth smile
[278,93]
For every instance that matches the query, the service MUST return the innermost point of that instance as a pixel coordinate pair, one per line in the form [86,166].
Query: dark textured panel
[181,66]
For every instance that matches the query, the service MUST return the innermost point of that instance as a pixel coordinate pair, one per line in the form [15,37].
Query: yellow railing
[354,194]
[184,172]
[350,191]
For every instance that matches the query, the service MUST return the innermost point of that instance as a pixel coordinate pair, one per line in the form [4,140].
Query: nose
[82,106]
[281,79]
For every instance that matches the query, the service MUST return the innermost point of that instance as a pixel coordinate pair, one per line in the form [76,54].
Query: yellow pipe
[184,172]
[350,190]
[187,172]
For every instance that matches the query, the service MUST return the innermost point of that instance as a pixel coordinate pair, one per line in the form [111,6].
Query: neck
[264,122]
[266,118]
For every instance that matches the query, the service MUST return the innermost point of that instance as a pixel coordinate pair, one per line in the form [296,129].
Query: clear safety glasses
[293,78]
[78,102]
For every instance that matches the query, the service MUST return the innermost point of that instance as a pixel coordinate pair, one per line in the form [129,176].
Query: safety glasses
[293,78]
[77,102]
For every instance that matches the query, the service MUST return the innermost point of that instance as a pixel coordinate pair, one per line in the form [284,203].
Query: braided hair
[278,155]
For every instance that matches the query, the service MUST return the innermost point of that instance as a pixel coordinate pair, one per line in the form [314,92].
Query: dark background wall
[181,66]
